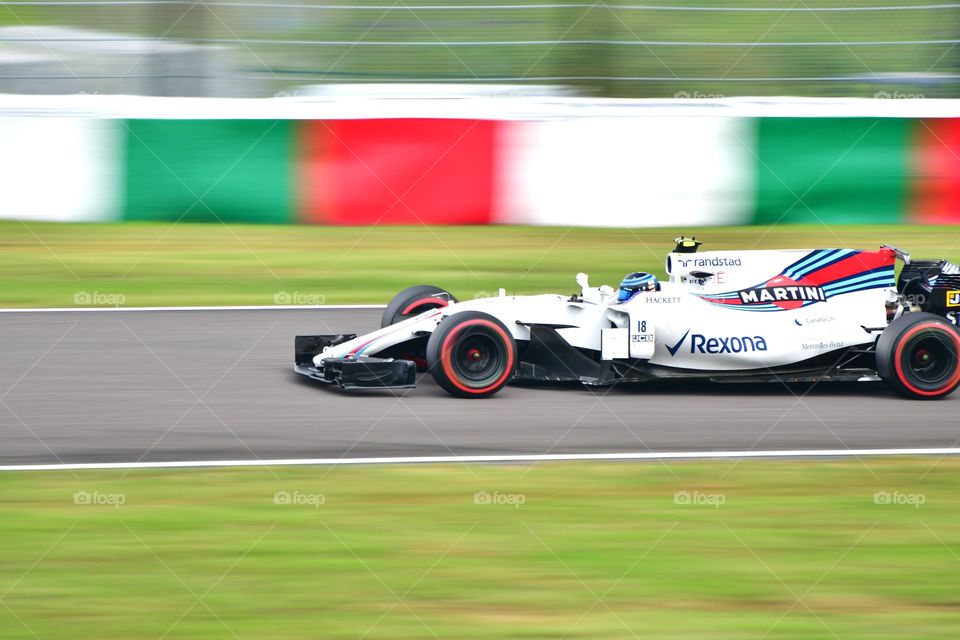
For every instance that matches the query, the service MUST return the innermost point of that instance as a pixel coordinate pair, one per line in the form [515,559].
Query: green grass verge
[211,264]
[795,550]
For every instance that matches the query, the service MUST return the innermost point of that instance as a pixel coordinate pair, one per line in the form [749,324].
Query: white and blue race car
[789,316]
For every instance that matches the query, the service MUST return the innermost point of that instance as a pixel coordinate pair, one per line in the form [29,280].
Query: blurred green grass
[159,264]
[796,550]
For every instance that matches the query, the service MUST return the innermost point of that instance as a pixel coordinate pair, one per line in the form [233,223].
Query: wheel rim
[931,359]
[478,358]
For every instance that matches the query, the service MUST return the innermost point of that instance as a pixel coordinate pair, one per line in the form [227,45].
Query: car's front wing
[351,372]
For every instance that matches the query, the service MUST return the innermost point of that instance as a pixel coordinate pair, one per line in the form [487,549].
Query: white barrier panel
[60,169]
[363,105]
[627,172]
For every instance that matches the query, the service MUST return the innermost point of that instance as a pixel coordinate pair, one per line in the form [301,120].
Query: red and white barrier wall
[63,169]
[563,162]
[400,171]
[626,172]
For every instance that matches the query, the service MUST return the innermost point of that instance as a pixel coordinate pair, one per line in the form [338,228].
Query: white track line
[241,308]
[559,457]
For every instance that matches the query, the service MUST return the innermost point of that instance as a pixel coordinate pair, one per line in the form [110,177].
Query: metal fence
[736,47]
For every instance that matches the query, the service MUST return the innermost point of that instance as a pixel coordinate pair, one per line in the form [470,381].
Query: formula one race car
[788,316]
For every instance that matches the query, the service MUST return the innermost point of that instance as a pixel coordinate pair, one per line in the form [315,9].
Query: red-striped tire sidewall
[446,356]
[413,301]
[424,304]
[898,359]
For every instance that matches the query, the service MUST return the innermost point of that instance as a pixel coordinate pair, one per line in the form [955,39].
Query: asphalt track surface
[125,386]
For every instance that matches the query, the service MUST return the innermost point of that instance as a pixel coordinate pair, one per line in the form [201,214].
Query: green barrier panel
[832,170]
[209,170]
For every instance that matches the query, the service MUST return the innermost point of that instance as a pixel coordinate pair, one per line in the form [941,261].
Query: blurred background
[728,112]
[163,153]
[614,49]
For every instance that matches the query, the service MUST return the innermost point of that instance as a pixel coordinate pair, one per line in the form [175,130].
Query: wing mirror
[903,256]
[586,293]
[584,281]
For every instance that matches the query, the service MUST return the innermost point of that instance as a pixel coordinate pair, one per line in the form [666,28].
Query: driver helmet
[635,283]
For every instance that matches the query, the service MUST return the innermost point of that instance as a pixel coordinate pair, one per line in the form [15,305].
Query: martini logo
[783,292]
[953,298]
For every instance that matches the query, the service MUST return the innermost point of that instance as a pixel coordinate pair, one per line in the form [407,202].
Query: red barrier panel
[397,171]
[936,189]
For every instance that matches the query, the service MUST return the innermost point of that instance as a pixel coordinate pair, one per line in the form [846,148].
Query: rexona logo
[700,343]
[783,292]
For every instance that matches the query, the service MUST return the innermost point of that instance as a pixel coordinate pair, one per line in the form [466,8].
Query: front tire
[413,301]
[918,354]
[471,354]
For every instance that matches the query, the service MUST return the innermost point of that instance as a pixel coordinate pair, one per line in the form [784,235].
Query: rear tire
[413,301]
[471,354]
[918,354]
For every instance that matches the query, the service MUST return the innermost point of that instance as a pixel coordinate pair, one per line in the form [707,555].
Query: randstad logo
[702,344]
[710,262]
